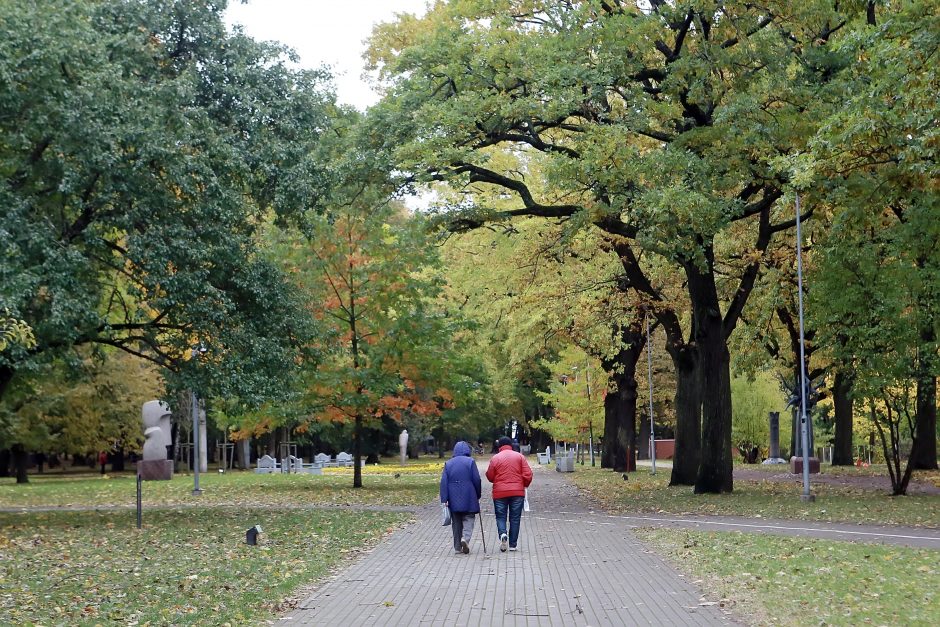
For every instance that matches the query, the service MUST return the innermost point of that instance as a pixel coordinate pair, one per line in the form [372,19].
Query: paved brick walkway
[573,568]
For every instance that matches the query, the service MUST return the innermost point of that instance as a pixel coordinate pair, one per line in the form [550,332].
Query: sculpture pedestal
[155,469]
[796,465]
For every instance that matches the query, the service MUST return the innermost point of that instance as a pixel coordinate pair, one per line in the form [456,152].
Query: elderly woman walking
[460,492]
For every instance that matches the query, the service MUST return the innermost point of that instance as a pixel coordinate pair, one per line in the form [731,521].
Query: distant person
[460,492]
[102,459]
[510,475]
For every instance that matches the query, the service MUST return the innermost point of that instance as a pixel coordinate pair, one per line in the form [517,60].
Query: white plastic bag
[525,503]
[445,515]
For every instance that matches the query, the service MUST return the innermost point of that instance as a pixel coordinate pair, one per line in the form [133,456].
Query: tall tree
[564,286]
[141,144]
[576,398]
[83,405]
[879,152]
[658,123]
[386,351]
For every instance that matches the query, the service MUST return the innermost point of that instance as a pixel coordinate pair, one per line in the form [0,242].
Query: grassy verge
[874,470]
[648,493]
[771,580]
[231,488]
[187,566]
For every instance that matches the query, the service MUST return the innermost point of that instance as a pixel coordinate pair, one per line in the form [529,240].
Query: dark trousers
[511,506]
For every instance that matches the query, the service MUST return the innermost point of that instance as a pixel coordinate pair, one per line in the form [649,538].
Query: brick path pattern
[573,567]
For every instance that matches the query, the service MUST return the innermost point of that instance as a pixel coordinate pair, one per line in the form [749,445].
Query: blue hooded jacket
[460,483]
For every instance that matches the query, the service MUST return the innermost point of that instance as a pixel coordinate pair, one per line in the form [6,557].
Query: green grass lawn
[186,566]
[772,580]
[232,488]
[189,564]
[646,493]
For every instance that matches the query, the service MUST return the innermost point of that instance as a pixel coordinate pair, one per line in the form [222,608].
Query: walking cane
[483,535]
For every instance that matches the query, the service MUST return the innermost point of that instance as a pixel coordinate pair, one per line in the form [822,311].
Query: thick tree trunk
[620,403]
[715,469]
[610,427]
[440,443]
[623,456]
[924,455]
[5,462]
[117,460]
[21,463]
[6,375]
[688,406]
[841,397]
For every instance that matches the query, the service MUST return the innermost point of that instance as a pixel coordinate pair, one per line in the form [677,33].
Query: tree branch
[762,23]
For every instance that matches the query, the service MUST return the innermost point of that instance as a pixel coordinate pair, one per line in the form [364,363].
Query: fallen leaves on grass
[779,580]
[183,567]
[232,488]
[646,493]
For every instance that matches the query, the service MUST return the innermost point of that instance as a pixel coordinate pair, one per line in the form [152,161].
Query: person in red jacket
[510,475]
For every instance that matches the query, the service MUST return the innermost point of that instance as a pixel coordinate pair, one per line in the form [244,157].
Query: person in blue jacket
[460,492]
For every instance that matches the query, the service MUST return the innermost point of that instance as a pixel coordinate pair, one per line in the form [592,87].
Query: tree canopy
[141,144]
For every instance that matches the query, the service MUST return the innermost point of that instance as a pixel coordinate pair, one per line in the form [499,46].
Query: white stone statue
[403,445]
[157,429]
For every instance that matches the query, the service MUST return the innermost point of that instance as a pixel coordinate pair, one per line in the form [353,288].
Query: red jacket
[509,473]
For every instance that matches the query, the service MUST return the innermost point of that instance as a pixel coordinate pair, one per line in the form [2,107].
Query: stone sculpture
[157,431]
[403,445]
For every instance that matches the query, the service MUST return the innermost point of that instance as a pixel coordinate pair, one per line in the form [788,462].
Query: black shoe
[465,547]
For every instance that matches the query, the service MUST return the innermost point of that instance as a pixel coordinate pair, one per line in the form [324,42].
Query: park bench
[546,457]
[344,459]
[267,465]
[296,465]
[324,460]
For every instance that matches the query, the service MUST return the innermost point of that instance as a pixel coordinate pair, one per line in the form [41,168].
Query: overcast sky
[323,32]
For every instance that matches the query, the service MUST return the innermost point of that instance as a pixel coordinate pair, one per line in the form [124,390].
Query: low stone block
[155,469]
[564,464]
[796,465]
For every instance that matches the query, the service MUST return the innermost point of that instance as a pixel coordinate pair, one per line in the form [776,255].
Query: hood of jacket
[461,448]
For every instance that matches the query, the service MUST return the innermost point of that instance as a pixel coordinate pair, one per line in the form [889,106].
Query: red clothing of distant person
[509,473]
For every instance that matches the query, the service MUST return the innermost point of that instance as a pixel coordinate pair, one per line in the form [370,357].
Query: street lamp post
[804,425]
[196,459]
[587,382]
[649,370]
[196,351]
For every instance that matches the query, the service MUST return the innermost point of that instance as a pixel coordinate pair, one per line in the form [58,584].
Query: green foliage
[140,146]
[79,407]
[670,127]
[14,332]
[753,399]
[576,395]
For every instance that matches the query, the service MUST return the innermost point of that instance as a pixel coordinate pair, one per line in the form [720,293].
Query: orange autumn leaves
[381,342]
